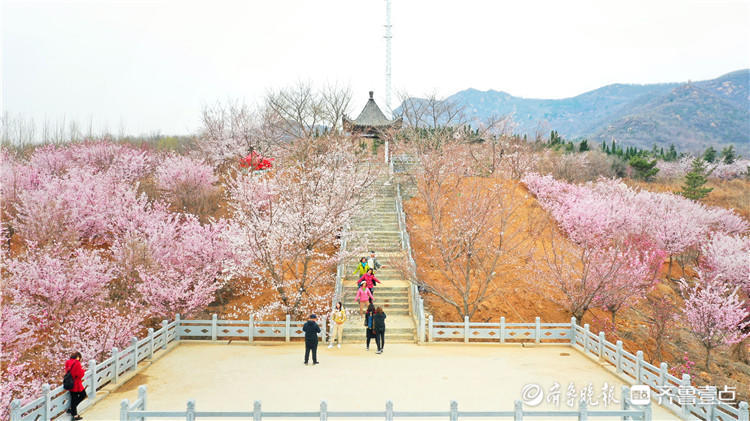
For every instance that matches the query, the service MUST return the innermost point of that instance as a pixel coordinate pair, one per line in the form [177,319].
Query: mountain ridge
[690,115]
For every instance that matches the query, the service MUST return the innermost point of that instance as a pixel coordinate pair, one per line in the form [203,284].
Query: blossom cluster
[95,261]
[596,215]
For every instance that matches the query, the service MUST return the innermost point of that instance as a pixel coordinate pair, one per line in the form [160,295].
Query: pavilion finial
[371,92]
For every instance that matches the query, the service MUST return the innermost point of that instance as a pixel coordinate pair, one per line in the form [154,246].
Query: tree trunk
[578,314]
[708,359]
[658,349]
[669,271]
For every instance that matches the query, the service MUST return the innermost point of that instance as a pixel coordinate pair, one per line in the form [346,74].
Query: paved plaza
[221,376]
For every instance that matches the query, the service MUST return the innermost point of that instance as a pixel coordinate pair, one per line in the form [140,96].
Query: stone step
[379,288]
[361,329]
[362,340]
[370,225]
[375,243]
[356,232]
[379,298]
[393,302]
[385,296]
[376,240]
[349,302]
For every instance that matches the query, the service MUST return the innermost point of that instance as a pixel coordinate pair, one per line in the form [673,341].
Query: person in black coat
[378,324]
[311,330]
[369,327]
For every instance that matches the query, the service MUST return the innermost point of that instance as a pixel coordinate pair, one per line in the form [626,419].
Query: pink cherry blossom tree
[172,263]
[726,258]
[635,278]
[188,183]
[285,224]
[715,315]
[77,206]
[56,280]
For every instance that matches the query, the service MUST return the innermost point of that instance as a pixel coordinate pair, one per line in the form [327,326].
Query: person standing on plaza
[339,317]
[73,382]
[378,325]
[369,332]
[311,330]
[363,296]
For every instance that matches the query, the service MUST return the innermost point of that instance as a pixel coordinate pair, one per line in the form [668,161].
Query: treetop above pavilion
[371,122]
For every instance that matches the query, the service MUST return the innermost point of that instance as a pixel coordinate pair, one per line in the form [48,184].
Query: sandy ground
[480,377]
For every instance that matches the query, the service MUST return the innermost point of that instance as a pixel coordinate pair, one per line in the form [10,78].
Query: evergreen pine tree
[710,154]
[728,155]
[672,154]
[644,169]
[694,181]
[583,146]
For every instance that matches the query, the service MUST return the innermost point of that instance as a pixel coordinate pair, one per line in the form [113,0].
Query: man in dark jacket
[378,324]
[311,330]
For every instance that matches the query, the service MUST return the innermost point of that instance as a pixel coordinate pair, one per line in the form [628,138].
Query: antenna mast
[388,58]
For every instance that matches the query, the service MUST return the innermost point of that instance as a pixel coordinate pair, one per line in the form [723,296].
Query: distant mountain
[691,115]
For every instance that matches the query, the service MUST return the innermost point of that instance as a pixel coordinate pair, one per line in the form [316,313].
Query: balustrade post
[421,317]
[638,367]
[538,329]
[663,370]
[164,335]
[93,382]
[134,343]
[142,398]
[625,401]
[517,411]
[47,403]
[124,406]
[389,411]
[323,411]
[743,412]
[466,329]
[583,412]
[686,406]
[177,324]
[287,323]
[151,343]
[257,413]
[15,410]
[572,331]
[648,412]
[430,328]
[602,340]
[618,357]
[214,326]
[454,411]
[586,338]
[502,329]
[190,413]
[251,330]
[115,365]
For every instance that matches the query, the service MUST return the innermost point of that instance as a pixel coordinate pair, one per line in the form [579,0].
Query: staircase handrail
[417,303]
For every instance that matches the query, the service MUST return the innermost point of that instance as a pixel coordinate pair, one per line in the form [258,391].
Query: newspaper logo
[640,394]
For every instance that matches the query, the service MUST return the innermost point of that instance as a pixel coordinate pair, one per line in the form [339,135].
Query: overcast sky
[149,66]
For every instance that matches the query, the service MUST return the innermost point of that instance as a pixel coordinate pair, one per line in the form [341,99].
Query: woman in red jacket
[369,279]
[78,392]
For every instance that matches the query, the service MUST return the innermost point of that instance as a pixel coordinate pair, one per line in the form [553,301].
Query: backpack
[68,383]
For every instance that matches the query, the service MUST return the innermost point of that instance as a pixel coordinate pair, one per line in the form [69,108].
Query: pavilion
[371,122]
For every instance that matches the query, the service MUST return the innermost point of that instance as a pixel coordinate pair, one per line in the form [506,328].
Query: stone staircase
[378,230]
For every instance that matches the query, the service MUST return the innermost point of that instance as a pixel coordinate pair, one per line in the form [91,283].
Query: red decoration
[255,161]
